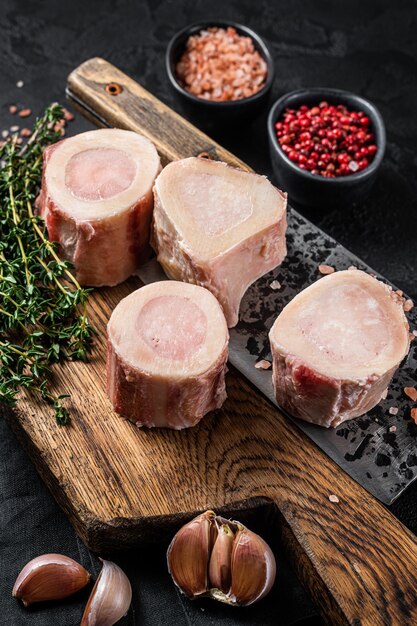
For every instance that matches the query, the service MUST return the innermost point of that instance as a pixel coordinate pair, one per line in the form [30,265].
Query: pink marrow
[218,227]
[167,353]
[336,346]
[96,200]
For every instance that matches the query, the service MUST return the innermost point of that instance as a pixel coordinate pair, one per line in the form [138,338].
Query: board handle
[108,97]
[357,560]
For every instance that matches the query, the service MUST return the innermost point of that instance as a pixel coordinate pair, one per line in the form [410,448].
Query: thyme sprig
[43,317]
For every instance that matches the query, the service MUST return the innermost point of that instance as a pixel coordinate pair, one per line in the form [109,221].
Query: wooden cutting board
[121,486]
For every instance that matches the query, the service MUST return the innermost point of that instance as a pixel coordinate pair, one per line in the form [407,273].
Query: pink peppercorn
[327,140]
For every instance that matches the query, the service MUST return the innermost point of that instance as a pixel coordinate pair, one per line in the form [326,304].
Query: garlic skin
[188,555]
[110,598]
[240,565]
[49,577]
[253,568]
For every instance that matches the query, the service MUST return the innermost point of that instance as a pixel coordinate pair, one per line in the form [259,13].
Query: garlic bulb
[221,559]
[110,598]
[49,577]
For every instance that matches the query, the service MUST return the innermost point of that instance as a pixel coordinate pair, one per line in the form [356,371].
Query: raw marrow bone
[167,353]
[96,200]
[218,227]
[336,346]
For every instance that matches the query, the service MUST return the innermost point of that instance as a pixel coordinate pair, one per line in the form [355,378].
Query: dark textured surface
[364,46]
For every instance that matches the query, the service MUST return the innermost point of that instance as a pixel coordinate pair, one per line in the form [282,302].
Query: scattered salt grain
[4,133]
[353,166]
[392,429]
[14,129]
[393,410]
[333,498]
[326,269]
[263,365]
[275,284]
[411,392]
[415,333]
[25,113]
[68,115]
[20,84]
[408,305]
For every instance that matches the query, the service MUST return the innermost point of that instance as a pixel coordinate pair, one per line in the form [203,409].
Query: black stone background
[366,46]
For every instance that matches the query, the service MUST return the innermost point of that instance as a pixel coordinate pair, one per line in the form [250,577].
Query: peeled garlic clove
[188,555]
[110,598]
[220,574]
[49,577]
[253,568]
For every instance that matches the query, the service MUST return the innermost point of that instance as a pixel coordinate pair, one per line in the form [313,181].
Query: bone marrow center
[346,324]
[99,173]
[173,326]
[214,203]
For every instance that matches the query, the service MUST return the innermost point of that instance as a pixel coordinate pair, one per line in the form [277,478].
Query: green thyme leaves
[43,317]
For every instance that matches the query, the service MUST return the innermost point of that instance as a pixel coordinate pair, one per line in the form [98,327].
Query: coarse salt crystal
[353,166]
[14,129]
[392,429]
[408,305]
[25,113]
[415,333]
[4,133]
[326,269]
[333,498]
[263,365]
[411,392]
[19,84]
[68,115]
[275,284]
[393,410]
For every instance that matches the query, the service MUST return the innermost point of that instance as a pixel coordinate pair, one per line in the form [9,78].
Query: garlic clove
[253,568]
[110,598]
[49,577]
[220,574]
[188,555]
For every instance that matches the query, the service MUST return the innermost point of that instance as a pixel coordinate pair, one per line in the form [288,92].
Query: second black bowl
[312,190]
[211,113]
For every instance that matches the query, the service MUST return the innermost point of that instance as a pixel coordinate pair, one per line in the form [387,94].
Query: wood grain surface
[120,485]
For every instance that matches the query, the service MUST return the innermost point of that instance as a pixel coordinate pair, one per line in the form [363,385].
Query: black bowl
[313,190]
[209,113]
